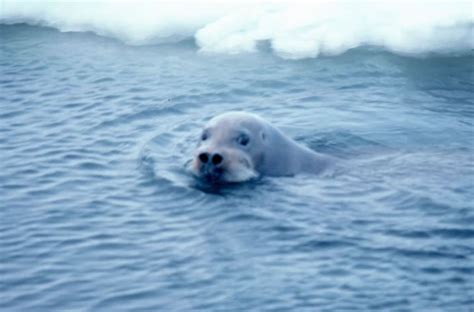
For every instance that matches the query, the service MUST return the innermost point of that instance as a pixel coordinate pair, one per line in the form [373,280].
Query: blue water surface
[98,211]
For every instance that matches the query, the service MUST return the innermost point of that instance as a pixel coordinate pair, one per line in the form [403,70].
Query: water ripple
[98,210]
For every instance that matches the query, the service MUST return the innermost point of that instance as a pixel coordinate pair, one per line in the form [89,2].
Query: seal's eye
[243,140]
[204,136]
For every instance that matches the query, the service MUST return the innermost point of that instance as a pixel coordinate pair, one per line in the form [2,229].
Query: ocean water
[99,213]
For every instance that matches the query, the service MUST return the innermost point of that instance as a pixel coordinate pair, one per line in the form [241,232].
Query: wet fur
[270,152]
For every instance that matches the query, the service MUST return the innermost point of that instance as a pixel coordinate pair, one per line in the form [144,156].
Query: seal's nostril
[217,159]
[203,158]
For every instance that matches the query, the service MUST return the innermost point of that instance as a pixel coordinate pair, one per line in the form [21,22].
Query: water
[98,212]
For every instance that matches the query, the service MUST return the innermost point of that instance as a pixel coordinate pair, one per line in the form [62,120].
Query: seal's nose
[204,157]
[214,159]
[217,159]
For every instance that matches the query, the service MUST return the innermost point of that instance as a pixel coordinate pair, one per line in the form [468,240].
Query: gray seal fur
[238,146]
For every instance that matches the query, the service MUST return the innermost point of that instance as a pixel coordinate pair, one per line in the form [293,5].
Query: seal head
[230,148]
[239,146]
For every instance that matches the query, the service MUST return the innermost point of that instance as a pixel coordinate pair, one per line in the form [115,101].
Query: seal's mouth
[213,176]
[240,170]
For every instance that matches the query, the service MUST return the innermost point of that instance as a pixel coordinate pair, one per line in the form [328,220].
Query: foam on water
[293,30]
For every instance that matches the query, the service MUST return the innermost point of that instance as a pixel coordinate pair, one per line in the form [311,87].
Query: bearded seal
[240,146]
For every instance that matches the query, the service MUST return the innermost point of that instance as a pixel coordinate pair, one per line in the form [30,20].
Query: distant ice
[293,29]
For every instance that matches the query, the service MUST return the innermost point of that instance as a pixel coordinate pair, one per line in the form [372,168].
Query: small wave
[293,30]
[321,244]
